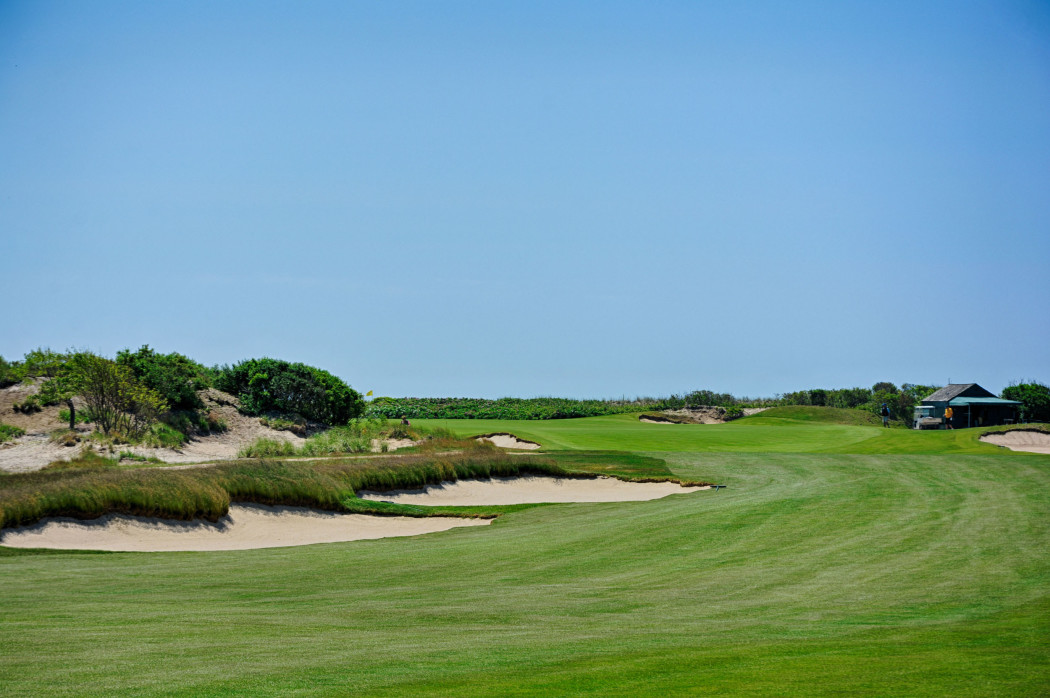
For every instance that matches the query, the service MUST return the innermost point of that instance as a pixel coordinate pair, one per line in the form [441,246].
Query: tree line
[134,391]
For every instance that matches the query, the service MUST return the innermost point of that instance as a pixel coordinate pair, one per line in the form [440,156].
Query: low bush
[271,385]
[30,405]
[9,431]
[267,448]
[9,373]
[64,437]
[161,435]
[175,377]
[1034,398]
[83,416]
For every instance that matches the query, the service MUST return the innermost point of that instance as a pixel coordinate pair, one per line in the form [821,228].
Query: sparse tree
[117,401]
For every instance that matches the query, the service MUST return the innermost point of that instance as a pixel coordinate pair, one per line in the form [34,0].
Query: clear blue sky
[534,198]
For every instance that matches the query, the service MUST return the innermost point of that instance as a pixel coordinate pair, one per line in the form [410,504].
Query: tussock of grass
[161,435]
[8,431]
[267,448]
[85,460]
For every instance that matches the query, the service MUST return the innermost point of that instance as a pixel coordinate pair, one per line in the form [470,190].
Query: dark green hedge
[272,385]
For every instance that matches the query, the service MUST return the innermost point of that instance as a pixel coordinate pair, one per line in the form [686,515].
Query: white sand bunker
[247,526]
[532,489]
[1018,440]
[504,440]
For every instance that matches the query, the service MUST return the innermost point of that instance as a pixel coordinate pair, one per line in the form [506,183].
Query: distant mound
[822,415]
[698,415]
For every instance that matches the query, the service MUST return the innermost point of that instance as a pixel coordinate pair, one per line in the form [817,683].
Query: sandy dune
[522,490]
[1018,440]
[247,526]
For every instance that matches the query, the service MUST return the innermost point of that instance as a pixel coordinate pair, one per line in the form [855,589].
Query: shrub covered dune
[840,558]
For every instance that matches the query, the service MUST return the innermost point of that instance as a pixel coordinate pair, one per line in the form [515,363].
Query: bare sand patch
[1020,440]
[504,440]
[32,452]
[530,489]
[247,526]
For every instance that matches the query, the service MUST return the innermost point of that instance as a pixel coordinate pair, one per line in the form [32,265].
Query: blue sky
[536,198]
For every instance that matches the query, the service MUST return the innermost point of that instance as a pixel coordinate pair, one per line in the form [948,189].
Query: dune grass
[92,486]
[9,432]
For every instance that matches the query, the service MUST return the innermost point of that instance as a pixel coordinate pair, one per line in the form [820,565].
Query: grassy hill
[918,567]
[821,415]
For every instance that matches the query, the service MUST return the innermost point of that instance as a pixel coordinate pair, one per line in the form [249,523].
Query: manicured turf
[758,434]
[810,574]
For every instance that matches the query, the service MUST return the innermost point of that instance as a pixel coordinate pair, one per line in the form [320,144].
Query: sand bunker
[247,526]
[509,441]
[525,490]
[1018,440]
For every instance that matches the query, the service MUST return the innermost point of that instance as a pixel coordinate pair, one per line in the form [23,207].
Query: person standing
[948,414]
[885,412]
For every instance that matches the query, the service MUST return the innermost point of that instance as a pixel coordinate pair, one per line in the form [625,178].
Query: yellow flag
[368,393]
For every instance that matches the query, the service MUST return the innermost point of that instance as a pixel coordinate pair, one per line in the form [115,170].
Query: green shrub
[10,373]
[267,448]
[44,363]
[83,416]
[8,432]
[161,435]
[1034,398]
[270,385]
[29,405]
[175,377]
[117,400]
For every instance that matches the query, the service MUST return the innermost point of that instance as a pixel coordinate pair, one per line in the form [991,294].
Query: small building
[972,406]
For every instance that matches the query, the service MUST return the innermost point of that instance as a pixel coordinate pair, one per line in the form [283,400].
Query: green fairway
[812,573]
[749,435]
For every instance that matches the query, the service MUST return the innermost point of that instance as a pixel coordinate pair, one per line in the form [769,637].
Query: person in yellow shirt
[948,413]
